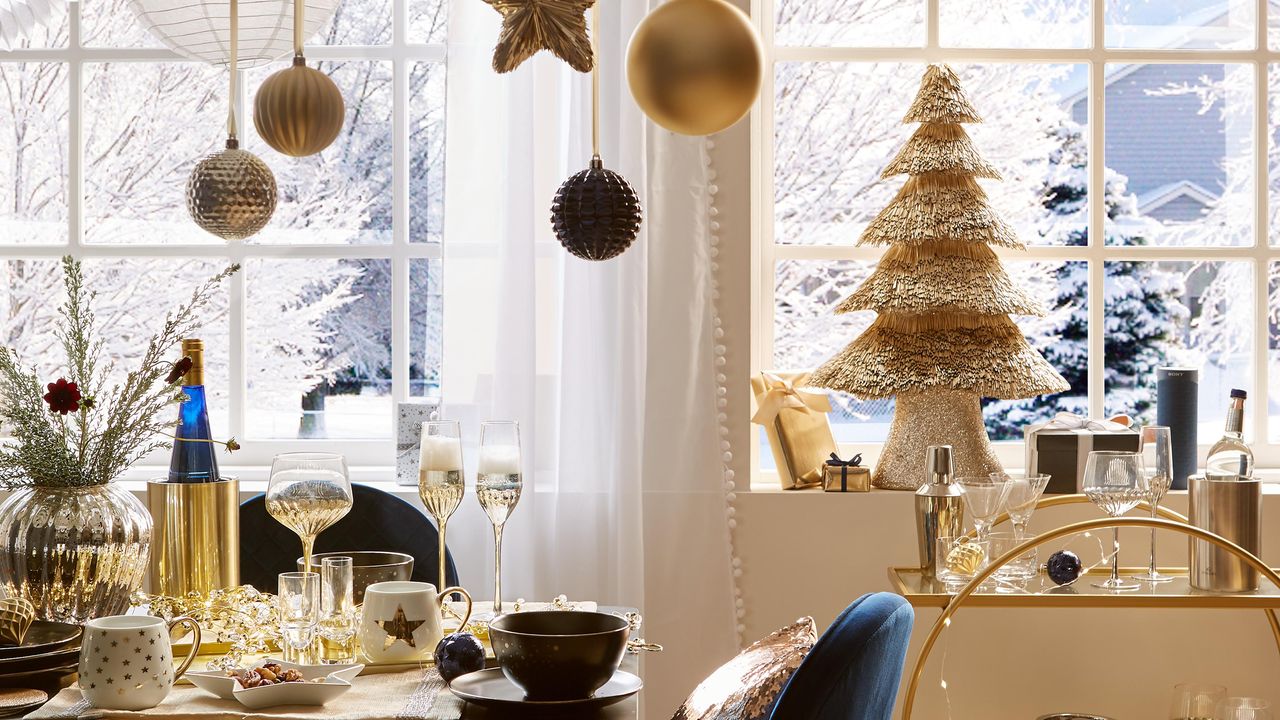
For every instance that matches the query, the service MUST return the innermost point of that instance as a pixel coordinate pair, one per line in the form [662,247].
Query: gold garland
[244,617]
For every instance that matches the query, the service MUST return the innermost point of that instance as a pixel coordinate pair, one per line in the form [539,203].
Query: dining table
[380,693]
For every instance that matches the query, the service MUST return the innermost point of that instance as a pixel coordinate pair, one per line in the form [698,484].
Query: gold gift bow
[781,394]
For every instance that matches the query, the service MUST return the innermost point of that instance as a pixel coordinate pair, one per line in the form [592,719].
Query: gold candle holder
[195,543]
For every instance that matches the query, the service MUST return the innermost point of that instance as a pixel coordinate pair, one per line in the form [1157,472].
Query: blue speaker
[1177,393]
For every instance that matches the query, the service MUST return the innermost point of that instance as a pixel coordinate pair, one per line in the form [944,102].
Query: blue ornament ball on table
[459,654]
[1064,567]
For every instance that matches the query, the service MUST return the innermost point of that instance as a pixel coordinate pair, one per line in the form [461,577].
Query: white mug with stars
[126,661]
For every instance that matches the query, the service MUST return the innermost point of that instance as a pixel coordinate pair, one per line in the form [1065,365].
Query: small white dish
[219,684]
[294,693]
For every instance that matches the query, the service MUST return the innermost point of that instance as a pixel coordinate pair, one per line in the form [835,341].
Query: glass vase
[75,553]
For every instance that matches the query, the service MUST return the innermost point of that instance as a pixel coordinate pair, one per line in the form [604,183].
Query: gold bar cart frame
[1178,524]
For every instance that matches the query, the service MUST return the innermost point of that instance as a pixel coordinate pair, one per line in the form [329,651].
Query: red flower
[63,397]
[180,369]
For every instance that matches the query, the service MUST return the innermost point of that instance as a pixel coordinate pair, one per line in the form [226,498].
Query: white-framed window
[1136,144]
[336,315]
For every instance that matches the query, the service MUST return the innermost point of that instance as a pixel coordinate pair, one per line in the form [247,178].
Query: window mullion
[1262,232]
[400,71]
[75,131]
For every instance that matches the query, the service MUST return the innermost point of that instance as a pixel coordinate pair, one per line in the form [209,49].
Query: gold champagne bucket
[195,543]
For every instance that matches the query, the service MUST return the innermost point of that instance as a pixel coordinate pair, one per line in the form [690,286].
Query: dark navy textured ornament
[596,213]
[1064,567]
[459,654]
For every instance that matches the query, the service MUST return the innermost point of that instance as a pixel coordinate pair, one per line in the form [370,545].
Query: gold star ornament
[399,627]
[532,25]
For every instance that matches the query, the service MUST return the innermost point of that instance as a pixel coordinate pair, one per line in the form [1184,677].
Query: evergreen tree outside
[1143,303]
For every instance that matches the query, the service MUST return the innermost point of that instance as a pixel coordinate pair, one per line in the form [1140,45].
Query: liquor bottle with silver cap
[1230,456]
[939,506]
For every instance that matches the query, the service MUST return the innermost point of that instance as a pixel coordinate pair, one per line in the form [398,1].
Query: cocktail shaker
[1229,506]
[939,507]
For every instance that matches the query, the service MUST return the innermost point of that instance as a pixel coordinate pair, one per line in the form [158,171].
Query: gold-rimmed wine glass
[1157,461]
[308,492]
[440,482]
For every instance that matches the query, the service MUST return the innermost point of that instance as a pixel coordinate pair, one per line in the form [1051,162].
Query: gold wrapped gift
[796,423]
[845,475]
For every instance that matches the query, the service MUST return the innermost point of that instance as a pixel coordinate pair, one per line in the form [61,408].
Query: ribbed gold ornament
[299,111]
[231,193]
[695,66]
[16,616]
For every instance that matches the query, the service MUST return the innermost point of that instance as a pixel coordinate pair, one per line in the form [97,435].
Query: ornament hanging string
[595,80]
[299,10]
[234,69]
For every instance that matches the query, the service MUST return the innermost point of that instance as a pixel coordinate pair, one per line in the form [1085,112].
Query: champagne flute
[498,486]
[1157,459]
[1114,482]
[1195,701]
[307,493]
[440,478]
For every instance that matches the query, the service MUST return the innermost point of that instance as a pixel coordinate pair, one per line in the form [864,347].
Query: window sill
[766,482]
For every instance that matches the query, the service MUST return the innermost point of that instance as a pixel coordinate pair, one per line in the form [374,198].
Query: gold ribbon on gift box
[796,422]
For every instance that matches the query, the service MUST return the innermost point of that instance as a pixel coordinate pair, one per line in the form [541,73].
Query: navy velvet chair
[854,670]
[378,521]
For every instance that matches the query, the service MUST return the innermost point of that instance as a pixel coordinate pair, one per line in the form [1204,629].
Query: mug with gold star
[402,620]
[126,661]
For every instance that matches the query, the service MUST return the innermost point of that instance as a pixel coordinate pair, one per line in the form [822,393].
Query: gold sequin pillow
[746,687]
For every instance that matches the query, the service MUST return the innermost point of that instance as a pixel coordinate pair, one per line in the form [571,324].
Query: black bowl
[558,654]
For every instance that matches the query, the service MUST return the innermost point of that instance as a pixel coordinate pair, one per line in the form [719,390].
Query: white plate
[294,693]
[224,686]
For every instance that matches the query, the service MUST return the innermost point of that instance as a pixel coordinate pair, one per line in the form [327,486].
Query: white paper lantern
[201,29]
[19,17]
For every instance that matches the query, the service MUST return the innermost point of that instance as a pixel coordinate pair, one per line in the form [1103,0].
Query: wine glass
[299,605]
[498,486]
[983,498]
[1157,460]
[1195,701]
[307,493]
[440,478]
[1114,482]
[1243,708]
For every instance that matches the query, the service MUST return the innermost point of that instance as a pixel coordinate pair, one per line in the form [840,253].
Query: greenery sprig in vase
[72,542]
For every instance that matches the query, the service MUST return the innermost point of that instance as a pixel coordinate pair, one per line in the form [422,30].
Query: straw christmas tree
[942,339]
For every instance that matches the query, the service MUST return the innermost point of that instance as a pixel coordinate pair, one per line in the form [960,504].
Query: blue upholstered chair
[854,670]
[378,521]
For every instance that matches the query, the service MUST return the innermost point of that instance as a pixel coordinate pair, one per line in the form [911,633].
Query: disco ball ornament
[231,193]
[299,110]
[201,29]
[695,66]
[596,213]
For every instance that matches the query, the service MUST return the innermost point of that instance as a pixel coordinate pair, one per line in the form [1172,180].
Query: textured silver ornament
[231,193]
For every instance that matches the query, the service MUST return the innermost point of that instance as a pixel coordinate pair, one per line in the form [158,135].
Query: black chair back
[378,521]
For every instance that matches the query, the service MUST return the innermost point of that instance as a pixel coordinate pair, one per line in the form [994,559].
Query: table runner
[414,695]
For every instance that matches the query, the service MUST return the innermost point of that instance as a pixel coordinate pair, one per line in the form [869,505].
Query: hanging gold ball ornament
[299,110]
[231,193]
[695,66]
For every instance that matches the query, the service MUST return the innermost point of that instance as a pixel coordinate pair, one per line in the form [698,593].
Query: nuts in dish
[268,674]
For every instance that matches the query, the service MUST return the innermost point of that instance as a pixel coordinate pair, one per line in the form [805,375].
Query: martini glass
[1020,502]
[1157,459]
[983,498]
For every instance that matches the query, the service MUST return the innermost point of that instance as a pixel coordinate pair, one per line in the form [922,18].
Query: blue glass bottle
[195,457]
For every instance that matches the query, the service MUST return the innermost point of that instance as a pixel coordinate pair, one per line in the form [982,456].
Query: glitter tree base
[937,416]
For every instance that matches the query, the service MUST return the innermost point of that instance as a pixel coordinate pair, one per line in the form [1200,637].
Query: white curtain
[607,366]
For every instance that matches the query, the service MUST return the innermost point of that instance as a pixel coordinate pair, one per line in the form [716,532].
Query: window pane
[839,124]
[33,141]
[112,23]
[151,122]
[806,332]
[1061,336]
[426,315]
[52,34]
[357,22]
[864,23]
[1181,24]
[1188,314]
[1014,23]
[426,152]
[1273,148]
[344,194]
[428,20]
[1273,344]
[130,306]
[318,349]
[1203,193]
